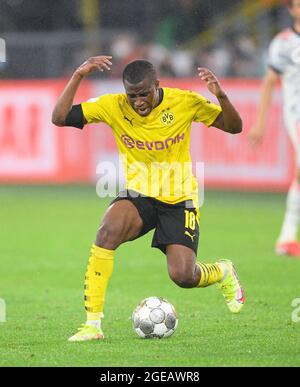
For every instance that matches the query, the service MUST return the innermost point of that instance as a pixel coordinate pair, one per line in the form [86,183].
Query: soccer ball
[154,317]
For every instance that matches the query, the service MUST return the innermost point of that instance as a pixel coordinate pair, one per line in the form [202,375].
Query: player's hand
[211,81]
[100,63]
[255,136]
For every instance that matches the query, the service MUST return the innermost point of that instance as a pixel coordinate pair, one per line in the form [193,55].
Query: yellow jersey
[155,149]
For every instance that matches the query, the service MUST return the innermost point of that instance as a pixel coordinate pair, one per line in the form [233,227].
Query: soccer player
[152,127]
[284,63]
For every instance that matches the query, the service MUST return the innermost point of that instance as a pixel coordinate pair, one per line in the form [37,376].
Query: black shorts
[173,223]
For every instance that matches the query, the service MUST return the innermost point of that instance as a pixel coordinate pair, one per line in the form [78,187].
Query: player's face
[143,96]
[294,9]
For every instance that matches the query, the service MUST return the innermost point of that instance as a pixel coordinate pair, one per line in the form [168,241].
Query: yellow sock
[99,271]
[210,273]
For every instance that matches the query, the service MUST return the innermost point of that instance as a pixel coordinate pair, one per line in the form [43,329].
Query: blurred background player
[143,117]
[284,64]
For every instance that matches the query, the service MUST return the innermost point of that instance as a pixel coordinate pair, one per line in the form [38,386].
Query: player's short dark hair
[138,70]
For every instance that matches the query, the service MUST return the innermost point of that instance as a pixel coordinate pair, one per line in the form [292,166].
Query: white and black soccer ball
[154,317]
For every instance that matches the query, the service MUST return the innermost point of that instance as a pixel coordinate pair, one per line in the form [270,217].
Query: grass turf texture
[46,233]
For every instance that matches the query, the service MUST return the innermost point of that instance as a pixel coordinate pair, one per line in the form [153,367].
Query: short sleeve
[204,110]
[98,109]
[277,58]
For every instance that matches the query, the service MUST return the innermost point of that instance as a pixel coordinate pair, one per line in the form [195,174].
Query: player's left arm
[229,119]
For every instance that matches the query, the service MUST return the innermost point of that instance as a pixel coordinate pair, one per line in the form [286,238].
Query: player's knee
[182,278]
[109,236]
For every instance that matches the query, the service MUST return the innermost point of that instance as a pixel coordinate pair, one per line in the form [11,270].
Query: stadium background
[49,206]
[45,44]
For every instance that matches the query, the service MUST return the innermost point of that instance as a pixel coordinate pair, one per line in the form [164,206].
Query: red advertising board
[33,150]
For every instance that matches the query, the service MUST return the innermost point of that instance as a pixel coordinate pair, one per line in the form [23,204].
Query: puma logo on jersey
[130,121]
[190,235]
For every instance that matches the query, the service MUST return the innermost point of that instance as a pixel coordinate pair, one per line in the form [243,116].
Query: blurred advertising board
[32,150]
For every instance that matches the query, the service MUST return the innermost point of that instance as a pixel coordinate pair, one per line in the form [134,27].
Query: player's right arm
[257,132]
[64,111]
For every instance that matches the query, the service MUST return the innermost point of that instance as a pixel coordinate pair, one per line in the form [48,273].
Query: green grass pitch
[46,233]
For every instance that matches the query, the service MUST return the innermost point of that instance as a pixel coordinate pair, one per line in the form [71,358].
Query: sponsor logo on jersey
[151,145]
